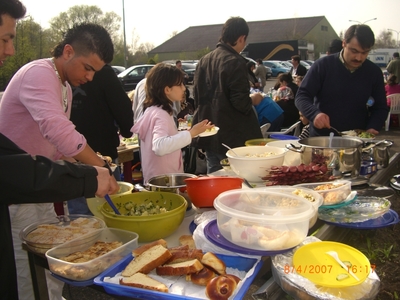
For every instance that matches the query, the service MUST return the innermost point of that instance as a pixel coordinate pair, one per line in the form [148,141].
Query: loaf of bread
[221,287]
[187,240]
[202,277]
[184,255]
[147,261]
[143,281]
[213,262]
[141,249]
[178,269]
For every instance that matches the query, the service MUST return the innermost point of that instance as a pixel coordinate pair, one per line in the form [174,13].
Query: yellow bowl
[151,227]
[95,203]
[258,142]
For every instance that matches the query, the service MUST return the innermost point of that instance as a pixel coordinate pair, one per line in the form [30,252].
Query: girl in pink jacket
[160,140]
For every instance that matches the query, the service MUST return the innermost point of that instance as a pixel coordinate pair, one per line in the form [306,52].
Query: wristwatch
[107,166]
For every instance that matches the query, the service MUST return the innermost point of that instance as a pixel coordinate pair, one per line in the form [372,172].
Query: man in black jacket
[221,93]
[101,110]
[298,69]
[33,179]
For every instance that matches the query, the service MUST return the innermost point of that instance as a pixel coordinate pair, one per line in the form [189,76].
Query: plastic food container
[48,233]
[333,192]
[85,270]
[313,197]
[362,209]
[253,163]
[148,227]
[262,219]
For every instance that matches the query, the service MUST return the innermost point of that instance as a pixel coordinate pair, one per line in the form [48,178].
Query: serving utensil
[330,139]
[337,131]
[109,201]
[336,257]
[226,146]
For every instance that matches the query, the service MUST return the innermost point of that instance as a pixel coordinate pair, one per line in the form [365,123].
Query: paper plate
[209,133]
[212,233]
[390,218]
[312,262]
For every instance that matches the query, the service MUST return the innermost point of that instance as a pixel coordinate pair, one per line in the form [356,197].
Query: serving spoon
[109,201]
[233,151]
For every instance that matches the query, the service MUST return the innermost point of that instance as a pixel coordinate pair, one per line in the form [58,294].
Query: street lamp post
[123,23]
[397,40]
[363,22]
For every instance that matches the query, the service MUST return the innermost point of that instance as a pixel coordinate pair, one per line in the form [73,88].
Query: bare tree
[385,40]
[173,33]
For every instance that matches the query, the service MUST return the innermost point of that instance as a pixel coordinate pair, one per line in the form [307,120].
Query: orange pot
[203,190]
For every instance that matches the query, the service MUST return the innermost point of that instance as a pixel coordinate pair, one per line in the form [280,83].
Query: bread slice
[212,261]
[143,281]
[147,261]
[182,268]
[141,249]
[187,240]
[184,255]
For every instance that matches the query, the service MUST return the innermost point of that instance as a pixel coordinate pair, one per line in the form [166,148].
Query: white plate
[209,133]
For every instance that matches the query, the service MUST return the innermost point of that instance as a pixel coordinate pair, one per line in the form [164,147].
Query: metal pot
[169,182]
[381,154]
[342,157]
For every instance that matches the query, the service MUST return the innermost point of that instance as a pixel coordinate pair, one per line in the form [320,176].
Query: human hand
[200,127]
[322,121]
[256,98]
[106,184]
[373,131]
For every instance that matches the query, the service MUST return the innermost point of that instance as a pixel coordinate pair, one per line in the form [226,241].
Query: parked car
[131,76]
[310,62]
[269,72]
[305,64]
[276,67]
[189,69]
[118,69]
[287,63]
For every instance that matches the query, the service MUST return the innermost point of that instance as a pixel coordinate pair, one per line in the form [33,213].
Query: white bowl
[262,219]
[254,168]
[291,158]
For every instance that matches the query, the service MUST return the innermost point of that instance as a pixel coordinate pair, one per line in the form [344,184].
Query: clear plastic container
[263,220]
[312,196]
[333,192]
[90,269]
[48,233]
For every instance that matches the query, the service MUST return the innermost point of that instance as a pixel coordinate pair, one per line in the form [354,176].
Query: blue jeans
[214,161]
[79,205]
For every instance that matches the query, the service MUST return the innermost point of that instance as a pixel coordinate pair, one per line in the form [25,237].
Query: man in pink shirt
[34,114]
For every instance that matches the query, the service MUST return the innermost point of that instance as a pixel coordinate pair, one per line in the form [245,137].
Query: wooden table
[125,156]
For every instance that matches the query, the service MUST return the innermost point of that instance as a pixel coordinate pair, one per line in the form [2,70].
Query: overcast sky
[154,21]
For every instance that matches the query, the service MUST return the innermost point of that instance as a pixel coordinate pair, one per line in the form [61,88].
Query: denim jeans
[214,161]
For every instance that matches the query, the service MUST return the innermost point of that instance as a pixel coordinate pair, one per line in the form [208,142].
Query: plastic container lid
[283,137]
[264,206]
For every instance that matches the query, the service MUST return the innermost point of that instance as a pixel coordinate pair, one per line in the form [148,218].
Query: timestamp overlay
[312,262]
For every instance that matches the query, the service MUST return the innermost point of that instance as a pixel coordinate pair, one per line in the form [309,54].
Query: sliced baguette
[182,268]
[147,261]
[187,240]
[213,262]
[184,255]
[143,281]
[141,249]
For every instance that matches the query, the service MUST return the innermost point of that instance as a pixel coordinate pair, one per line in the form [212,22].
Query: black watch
[107,166]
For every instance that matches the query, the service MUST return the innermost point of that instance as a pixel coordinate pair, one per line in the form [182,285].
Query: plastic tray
[362,209]
[240,263]
[390,218]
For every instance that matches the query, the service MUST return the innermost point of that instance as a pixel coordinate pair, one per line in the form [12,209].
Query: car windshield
[123,73]
[188,66]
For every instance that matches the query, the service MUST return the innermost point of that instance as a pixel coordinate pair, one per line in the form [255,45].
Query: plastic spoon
[330,139]
[226,146]
[108,199]
[336,257]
